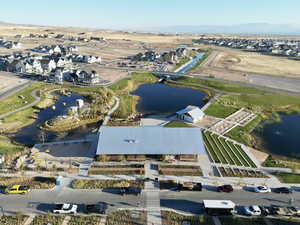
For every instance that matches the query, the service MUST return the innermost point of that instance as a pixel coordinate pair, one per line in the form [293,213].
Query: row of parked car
[67,208]
[255,210]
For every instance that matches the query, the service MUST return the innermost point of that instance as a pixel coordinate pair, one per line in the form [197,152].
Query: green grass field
[7,146]
[19,99]
[220,111]
[291,178]
[177,124]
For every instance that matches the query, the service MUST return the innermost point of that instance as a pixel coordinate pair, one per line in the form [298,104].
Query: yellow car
[17,189]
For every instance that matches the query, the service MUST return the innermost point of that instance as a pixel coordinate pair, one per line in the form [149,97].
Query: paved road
[39,201]
[36,101]
[15,89]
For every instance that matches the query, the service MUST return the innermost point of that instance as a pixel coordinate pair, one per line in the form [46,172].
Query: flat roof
[150,140]
[218,204]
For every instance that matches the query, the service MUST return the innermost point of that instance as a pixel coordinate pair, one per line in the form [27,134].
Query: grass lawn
[127,106]
[181,63]
[20,99]
[171,218]
[220,111]
[102,184]
[221,86]
[289,178]
[242,134]
[174,124]
[7,146]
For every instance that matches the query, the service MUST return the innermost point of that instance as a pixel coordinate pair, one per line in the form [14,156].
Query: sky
[122,14]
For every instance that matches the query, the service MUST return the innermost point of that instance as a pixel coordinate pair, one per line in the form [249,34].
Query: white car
[65,209]
[252,210]
[262,189]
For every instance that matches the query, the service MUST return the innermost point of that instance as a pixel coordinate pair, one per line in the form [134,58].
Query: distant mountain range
[251,28]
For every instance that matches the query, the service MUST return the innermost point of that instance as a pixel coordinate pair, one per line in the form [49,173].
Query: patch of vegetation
[271,162]
[84,220]
[102,184]
[289,178]
[123,88]
[242,220]
[173,170]
[33,182]
[7,146]
[220,86]
[125,217]
[20,99]
[174,124]
[117,170]
[219,110]
[171,218]
[47,219]
[13,220]
[181,63]
[242,134]
[207,53]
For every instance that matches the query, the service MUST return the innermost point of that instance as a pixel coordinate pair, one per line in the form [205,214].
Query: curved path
[36,101]
[111,111]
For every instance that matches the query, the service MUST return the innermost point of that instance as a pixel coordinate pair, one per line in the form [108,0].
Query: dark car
[133,190]
[265,210]
[99,208]
[225,188]
[284,190]
[197,187]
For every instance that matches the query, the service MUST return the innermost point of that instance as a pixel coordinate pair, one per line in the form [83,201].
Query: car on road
[252,210]
[17,189]
[99,208]
[262,189]
[225,188]
[284,190]
[65,208]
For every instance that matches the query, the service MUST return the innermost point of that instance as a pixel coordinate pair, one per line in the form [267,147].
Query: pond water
[281,138]
[164,99]
[31,134]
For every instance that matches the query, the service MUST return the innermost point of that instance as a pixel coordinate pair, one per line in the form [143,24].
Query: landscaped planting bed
[292,178]
[127,218]
[167,184]
[13,220]
[171,218]
[234,172]
[102,184]
[225,152]
[180,170]
[84,220]
[137,169]
[47,219]
[256,221]
[33,182]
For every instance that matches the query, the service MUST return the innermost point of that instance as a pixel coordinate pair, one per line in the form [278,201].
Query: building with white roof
[191,114]
[151,141]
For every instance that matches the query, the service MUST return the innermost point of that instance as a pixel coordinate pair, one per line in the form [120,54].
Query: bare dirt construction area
[9,81]
[234,64]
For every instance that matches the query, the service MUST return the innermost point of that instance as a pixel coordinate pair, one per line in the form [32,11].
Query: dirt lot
[237,65]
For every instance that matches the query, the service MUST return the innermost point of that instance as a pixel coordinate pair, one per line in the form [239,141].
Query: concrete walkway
[36,101]
[152,195]
[111,111]
[29,220]
[216,220]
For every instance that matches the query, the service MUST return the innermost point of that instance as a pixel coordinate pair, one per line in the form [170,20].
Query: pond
[164,99]
[31,134]
[281,138]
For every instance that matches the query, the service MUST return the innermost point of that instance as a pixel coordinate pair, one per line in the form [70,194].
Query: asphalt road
[41,201]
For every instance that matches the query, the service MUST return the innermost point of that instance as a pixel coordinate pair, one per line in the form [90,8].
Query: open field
[7,146]
[233,64]
[9,82]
